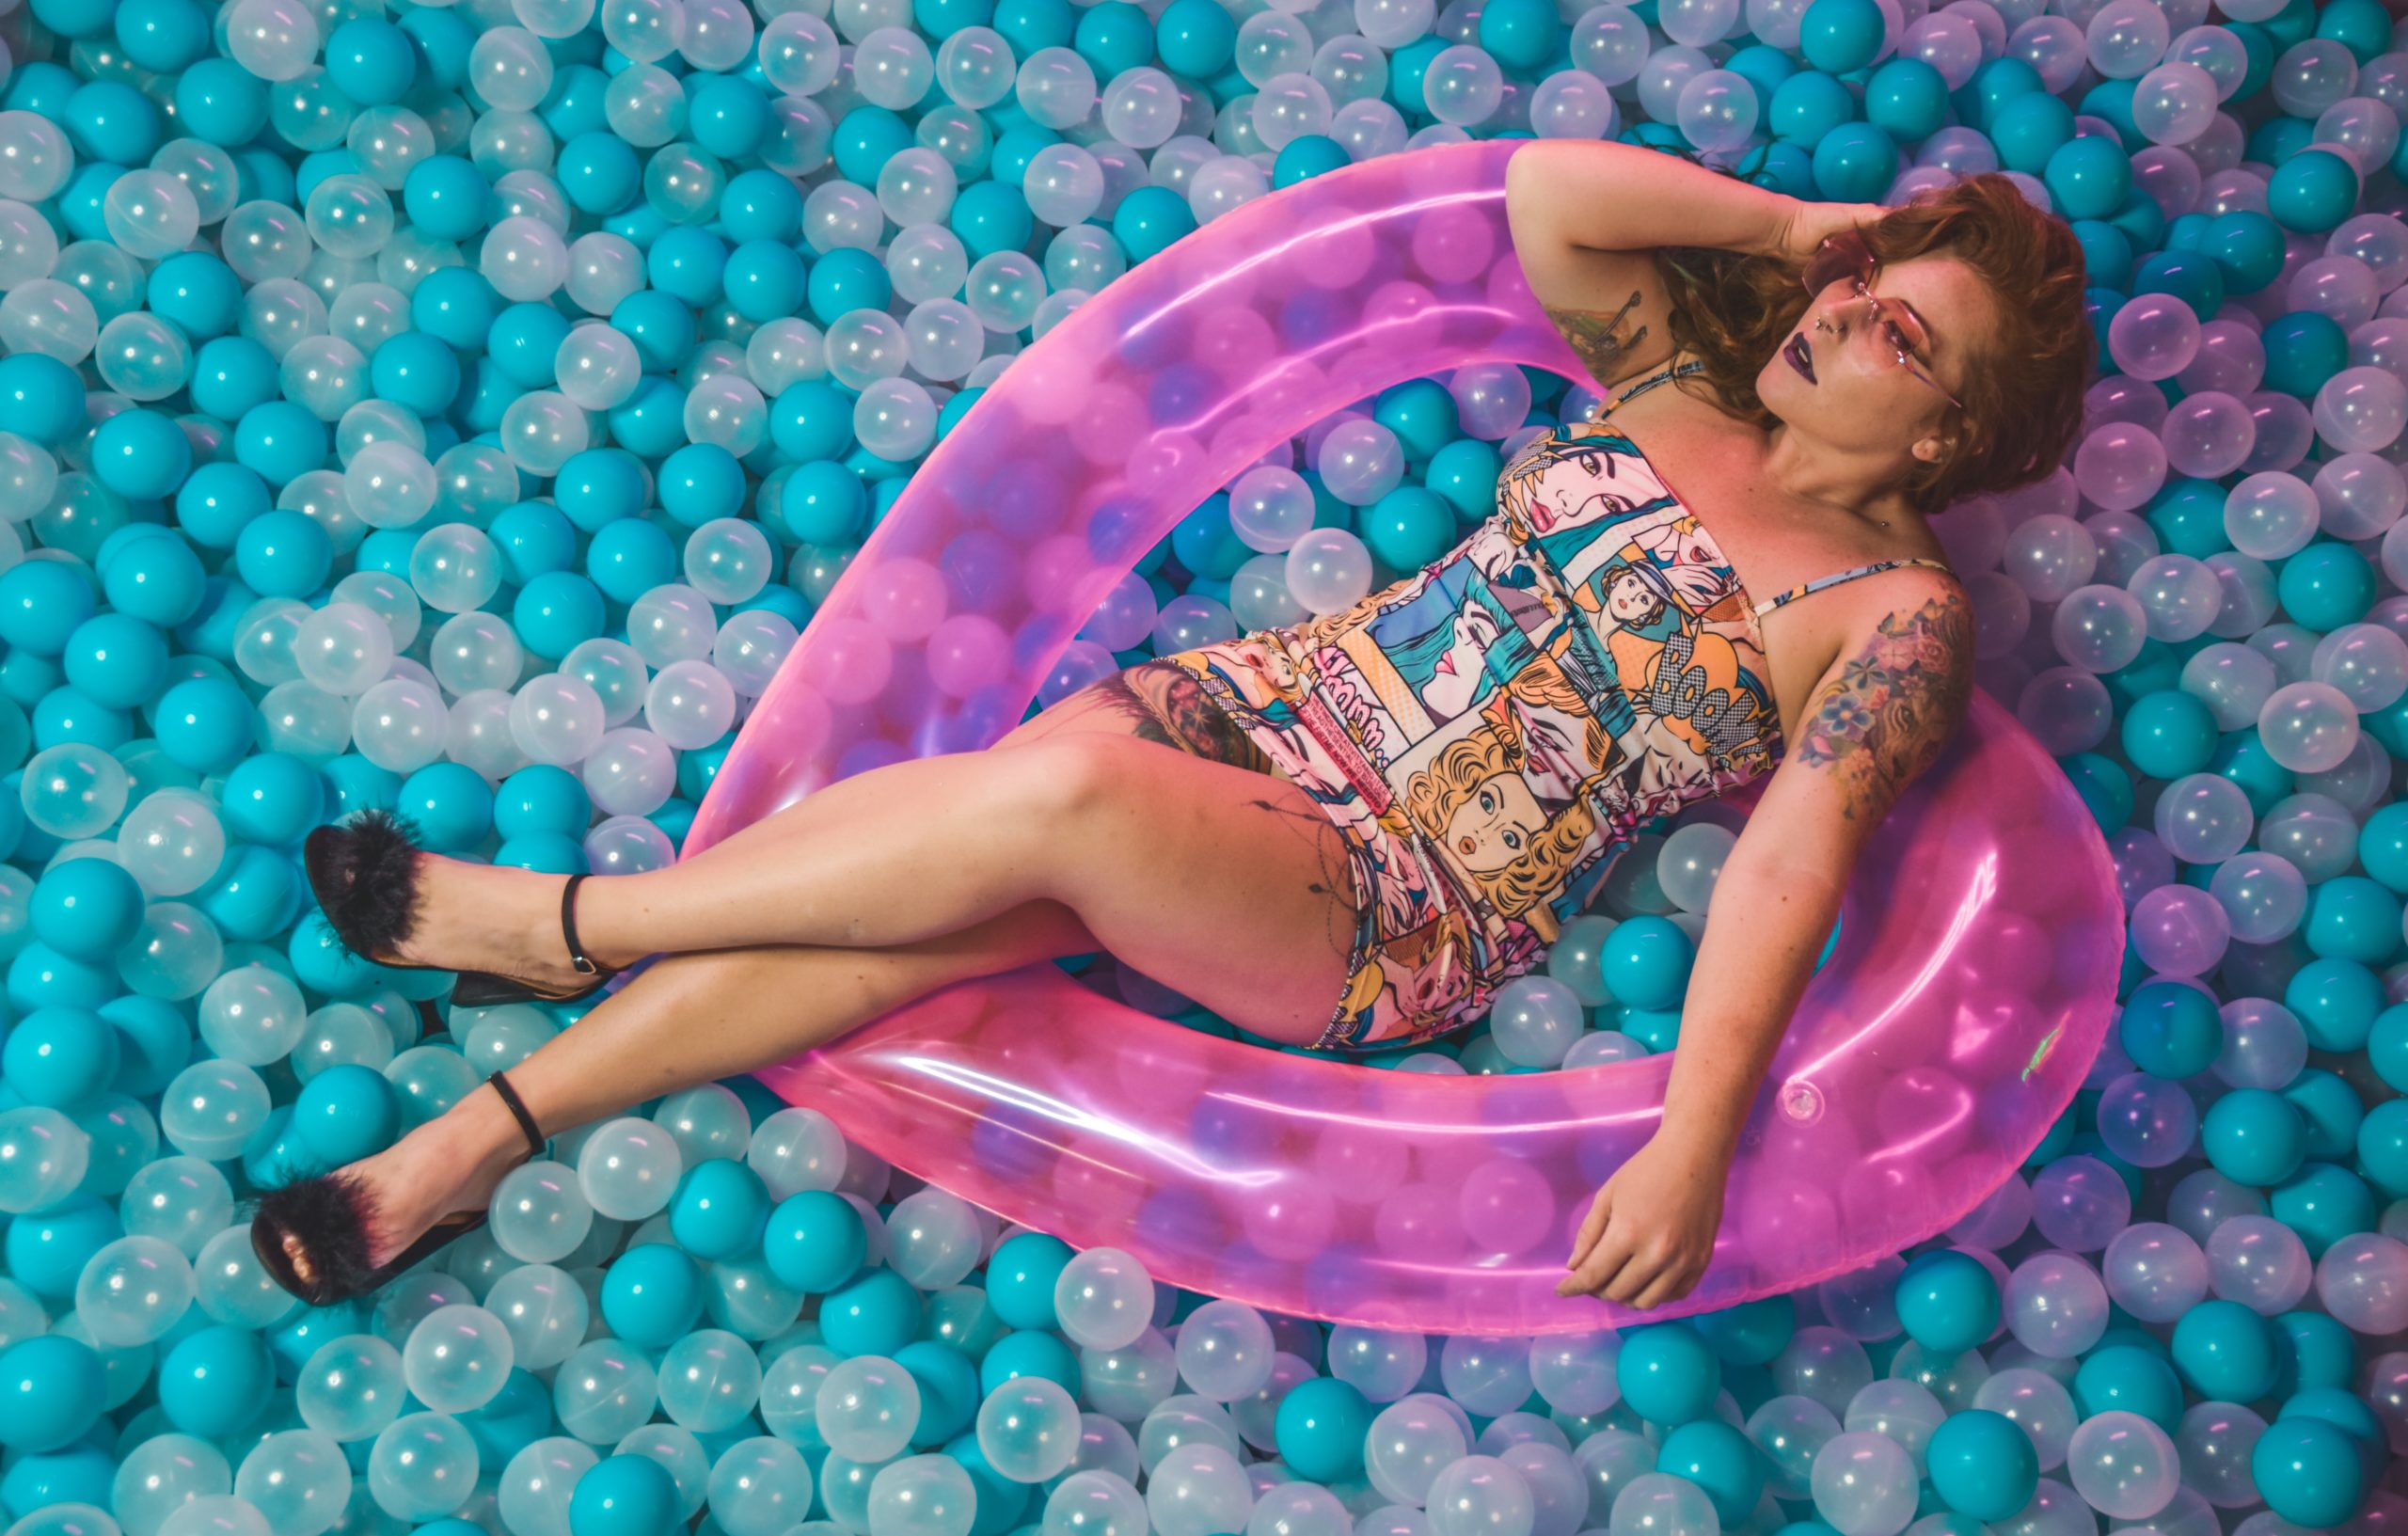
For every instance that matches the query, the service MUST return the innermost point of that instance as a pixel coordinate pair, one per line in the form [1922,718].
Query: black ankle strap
[518,1112]
[577,956]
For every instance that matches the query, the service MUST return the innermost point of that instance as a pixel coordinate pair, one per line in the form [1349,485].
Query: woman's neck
[1851,484]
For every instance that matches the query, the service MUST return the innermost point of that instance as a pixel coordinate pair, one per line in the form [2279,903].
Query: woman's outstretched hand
[1650,1231]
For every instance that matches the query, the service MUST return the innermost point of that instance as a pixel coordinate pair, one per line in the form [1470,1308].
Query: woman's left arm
[1877,718]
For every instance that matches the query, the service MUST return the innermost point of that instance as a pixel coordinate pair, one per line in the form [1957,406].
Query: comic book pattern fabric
[1490,731]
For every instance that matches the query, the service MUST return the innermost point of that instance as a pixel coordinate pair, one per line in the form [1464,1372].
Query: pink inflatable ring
[1971,984]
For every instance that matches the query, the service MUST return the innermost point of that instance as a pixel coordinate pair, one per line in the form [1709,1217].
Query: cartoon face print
[1630,600]
[1497,555]
[1567,483]
[1464,666]
[1494,825]
[1275,667]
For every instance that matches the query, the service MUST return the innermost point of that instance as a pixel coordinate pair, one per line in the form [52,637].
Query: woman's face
[1494,825]
[1857,396]
[1461,670]
[1628,599]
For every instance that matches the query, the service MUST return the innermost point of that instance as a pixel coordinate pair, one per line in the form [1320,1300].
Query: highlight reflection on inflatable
[1970,987]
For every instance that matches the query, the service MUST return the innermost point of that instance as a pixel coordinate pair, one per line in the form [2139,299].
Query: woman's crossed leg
[1073,834]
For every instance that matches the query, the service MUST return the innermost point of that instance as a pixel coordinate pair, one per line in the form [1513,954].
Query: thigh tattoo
[1167,704]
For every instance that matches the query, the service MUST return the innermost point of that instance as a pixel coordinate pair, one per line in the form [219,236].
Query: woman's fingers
[1675,1281]
[1592,1227]
[1603,1262]
[1635,1278]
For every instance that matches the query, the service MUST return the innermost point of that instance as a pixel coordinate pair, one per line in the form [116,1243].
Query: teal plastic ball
[814,1241]
[1668,1373]
[52,1391]
[2310,1471]
[627,1495]
[346,1112]
[1320,1429]
[1948,1302]
[1982,1464]
[1721,1460]
[652,1295]
[1019,1279]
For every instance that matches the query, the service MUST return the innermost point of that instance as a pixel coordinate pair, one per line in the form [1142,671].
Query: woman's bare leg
[899,853]
[688,1019]
[475,917]
[1227,886]
[1157,849]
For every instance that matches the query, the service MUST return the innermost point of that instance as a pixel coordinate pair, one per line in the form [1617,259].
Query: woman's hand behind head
[1810,223]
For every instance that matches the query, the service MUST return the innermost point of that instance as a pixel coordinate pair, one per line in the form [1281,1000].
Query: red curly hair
[2023,395]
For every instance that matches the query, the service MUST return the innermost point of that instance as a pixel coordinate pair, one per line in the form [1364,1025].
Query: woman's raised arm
[1607,196]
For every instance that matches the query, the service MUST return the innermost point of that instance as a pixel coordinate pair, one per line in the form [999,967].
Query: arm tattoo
[1896,704]
[1595,336]
[1165,704]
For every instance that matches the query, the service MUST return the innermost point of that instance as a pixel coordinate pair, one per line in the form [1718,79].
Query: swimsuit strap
[1820,582]
[1661,376]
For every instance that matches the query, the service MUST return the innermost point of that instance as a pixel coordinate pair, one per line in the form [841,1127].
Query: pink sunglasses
[1845,257]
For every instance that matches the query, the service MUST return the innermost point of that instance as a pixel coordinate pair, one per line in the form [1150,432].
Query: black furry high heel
[326,1218]
[365,875]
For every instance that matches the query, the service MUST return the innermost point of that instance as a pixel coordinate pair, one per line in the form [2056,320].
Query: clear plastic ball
[457,1358]
[401,724]
[2259,1262]
[689,704]
[74,789]
[343,648]
[525,258]
[349,216]
[253,1015]
[298,1479]
[598,367]
[628,1168]
[759,1487]
[630,771]
[2123,1465]
[545,1311]
[39,158]
[1864,1484]
[132,1290]
[710,1381]
[868,1407]
[1660,1504]
[150,213]
[275,39]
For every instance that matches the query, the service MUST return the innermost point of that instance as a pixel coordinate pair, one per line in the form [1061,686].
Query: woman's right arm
[1610,196]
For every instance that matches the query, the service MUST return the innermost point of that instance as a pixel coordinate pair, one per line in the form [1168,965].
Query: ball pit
[1962,1002]
[464,409]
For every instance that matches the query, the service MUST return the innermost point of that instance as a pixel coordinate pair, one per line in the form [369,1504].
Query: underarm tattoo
[1595,336]
[1165,704]
[1896,705]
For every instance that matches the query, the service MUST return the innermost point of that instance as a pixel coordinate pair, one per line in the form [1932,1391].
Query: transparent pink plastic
[1970,987]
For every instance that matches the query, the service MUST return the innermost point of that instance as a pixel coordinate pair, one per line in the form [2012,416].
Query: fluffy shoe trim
[329,1214]
[365,874]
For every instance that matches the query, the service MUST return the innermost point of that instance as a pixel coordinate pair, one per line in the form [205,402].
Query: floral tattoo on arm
[1896,704]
